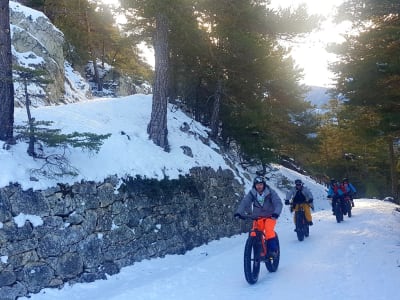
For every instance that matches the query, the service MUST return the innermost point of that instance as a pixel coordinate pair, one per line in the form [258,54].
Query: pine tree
[260,89]
[155,20]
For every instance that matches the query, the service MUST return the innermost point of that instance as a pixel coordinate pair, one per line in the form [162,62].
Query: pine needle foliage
[53,137]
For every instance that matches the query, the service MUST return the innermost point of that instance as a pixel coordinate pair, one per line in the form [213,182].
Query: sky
[356,259]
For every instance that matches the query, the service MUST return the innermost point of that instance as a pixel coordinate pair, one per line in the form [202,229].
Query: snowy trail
[356,259]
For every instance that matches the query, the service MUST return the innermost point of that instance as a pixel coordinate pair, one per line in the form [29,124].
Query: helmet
[298,182]
[345,179]
[333,181]
[258,179]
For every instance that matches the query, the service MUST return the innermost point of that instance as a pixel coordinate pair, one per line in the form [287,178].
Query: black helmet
[333,181]
[298,182]
[259,179]
[345,179]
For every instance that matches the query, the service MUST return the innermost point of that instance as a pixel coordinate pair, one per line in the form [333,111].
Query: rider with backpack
[300,196]
[349,189]
[262,201]
[335,193]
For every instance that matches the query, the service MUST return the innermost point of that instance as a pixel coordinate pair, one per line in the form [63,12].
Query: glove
[312,206]
[237,215]
[274,216]
[287,202]
[329,196]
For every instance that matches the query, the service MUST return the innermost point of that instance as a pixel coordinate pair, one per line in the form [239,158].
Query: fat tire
[338,212]
[251,260]
[272,264]
[300,225]
[306,230]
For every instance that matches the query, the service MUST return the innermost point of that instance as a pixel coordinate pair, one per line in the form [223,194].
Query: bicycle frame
[260,235]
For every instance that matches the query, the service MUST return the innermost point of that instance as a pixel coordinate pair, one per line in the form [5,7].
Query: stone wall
[82,232]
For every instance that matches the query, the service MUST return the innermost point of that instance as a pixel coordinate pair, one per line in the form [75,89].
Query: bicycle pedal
[273,254]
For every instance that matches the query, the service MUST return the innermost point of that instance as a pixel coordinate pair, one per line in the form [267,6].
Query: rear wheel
[306,230]
[272,262]
[252,260]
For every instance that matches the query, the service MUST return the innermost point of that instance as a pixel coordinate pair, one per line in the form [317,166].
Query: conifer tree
[154,20]
[260,86]
[368,69]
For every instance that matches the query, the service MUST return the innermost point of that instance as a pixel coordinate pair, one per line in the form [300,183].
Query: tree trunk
[157,127]
[6,83]
[216,107]
[96,74]
[393,170]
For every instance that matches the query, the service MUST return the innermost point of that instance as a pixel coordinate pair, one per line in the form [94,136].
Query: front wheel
[300,225]
[338,212]
[251,260]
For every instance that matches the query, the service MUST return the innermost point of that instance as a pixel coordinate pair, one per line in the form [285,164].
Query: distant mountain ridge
[318,96]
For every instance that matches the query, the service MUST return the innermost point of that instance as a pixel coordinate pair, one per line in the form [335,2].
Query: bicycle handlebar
[254,218]
[308,203]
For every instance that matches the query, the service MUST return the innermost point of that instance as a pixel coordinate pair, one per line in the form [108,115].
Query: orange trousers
[307,212]
[267,225]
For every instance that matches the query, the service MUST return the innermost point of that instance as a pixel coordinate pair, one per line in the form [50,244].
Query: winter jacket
[297,196]
[263,205]
[349,188]
[335,191]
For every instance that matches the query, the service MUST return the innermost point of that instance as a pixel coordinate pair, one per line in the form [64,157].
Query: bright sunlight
[310,53]
[114,2]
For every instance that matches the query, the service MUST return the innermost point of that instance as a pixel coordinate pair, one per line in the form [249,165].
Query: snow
[34,220]
[356,259]
[127,152]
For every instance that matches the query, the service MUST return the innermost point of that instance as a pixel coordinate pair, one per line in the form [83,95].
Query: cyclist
[262,201]
[349,189]
[300,196]
[335,193]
